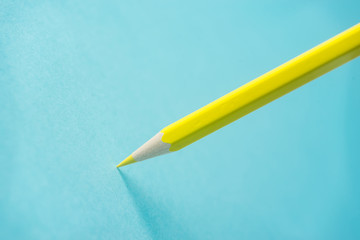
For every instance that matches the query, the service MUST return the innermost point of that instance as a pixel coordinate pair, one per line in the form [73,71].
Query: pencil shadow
[159,223]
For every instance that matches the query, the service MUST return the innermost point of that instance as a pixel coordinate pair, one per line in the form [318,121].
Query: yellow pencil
[251,96]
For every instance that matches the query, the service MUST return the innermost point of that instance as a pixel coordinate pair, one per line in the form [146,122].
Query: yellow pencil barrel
[264,89]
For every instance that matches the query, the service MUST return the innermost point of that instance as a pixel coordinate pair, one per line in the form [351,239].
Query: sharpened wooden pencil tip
[127,161]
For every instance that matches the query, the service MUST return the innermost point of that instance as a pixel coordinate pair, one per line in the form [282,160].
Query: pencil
[251,96]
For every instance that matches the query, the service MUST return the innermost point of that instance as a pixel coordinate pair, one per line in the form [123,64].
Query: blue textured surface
[84,83]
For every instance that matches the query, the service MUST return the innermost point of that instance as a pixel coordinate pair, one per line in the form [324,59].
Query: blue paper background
[84,83]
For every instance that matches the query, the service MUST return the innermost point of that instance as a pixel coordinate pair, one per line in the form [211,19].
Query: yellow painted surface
[264,89]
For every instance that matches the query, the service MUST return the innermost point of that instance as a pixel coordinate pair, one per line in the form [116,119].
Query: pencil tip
[127,161]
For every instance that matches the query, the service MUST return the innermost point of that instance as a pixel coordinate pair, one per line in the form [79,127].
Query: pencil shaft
[268,87]
[253,95]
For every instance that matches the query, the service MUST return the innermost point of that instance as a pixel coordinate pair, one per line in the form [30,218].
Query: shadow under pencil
[159,223]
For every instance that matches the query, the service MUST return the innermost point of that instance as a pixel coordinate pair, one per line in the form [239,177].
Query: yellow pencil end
[127,161]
